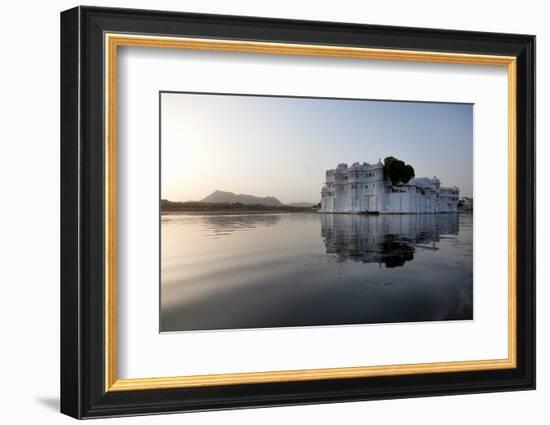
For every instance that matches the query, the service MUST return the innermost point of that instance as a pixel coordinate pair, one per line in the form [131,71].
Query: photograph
[286,211]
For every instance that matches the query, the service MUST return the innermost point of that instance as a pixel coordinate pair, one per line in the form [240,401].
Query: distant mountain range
[221,197]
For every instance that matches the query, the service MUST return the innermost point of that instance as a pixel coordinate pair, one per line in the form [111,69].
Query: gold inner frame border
[113,40]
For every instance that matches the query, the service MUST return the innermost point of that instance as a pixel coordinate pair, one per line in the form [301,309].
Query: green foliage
[397,171]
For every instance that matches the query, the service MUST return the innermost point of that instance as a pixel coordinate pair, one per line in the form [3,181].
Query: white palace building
[362,188]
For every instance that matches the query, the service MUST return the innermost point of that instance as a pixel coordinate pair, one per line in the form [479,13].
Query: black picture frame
[83,392]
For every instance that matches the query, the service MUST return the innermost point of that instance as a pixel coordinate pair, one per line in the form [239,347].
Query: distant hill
[221,197]
[302,204]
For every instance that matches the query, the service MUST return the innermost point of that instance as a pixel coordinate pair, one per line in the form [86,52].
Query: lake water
[235,271]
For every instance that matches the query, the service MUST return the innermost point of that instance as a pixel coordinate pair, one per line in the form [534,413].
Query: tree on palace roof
[397,171]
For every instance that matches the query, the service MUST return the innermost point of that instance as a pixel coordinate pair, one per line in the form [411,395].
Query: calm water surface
[234,271]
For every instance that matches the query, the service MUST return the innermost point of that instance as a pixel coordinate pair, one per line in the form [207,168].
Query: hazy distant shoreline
[236,212]
[170,207]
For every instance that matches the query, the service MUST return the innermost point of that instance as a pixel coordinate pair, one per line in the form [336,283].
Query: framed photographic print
[261,212]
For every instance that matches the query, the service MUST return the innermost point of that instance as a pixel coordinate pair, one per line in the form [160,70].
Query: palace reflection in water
[234,271]
[385,239]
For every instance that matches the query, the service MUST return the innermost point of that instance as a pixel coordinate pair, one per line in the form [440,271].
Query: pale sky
[281,146]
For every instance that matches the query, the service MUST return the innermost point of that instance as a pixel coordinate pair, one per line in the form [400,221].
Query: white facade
[362,188]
